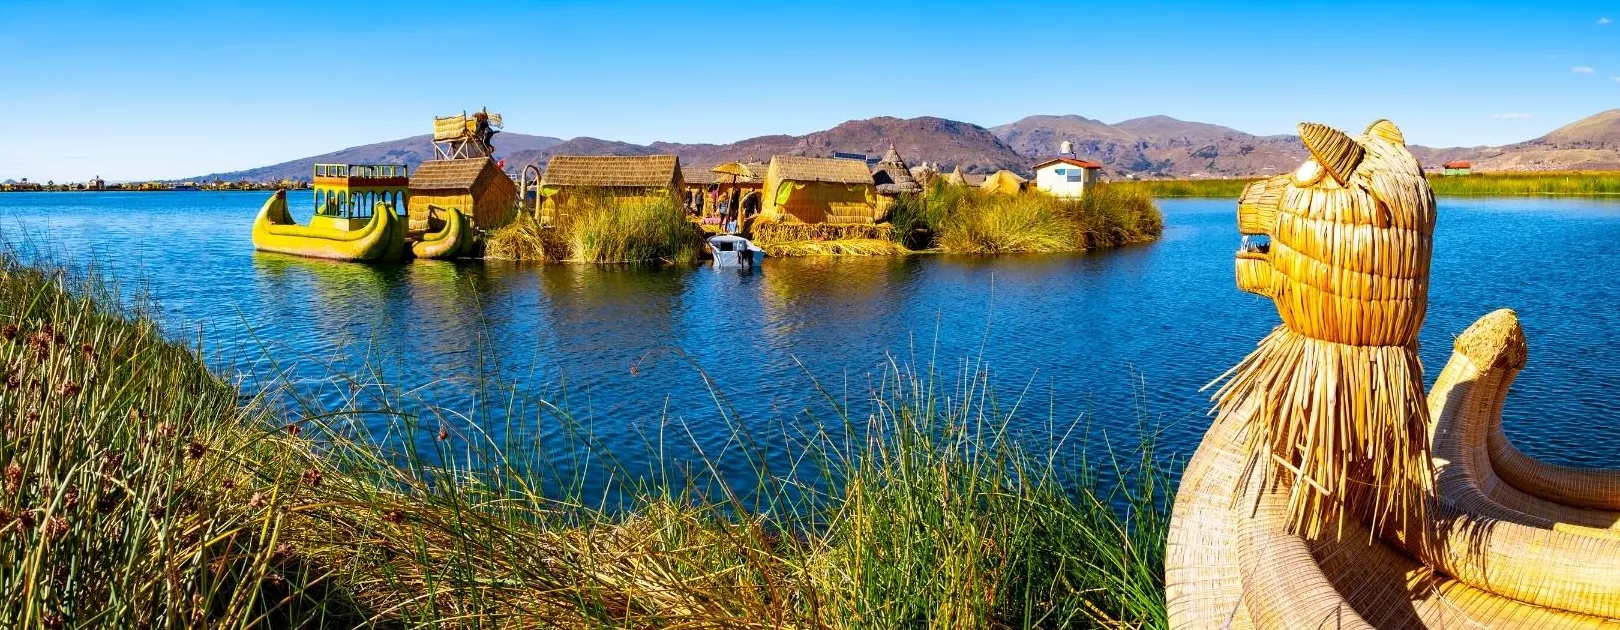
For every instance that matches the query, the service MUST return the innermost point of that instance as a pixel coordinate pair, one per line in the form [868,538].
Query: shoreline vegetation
[948,219]
[1498,184]
[141,490]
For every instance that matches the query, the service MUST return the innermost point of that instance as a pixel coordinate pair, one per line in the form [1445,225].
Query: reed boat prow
[453,240]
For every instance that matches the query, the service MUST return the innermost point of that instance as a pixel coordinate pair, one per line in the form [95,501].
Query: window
[1061,172]
[1076,175]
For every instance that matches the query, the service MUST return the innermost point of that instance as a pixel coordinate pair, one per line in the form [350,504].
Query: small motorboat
[734,251]
[454,240]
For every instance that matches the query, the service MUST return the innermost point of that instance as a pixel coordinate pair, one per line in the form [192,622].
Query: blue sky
[176,89]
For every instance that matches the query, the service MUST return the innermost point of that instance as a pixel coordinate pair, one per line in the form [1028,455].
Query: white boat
[734,251]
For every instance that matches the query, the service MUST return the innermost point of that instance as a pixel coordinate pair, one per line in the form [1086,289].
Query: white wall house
[1066,177]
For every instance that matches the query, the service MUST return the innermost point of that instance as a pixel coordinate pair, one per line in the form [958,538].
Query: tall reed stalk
[594,226]
[140,490]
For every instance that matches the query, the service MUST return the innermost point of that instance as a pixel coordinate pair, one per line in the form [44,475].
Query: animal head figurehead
[1350,238]
[1334,396]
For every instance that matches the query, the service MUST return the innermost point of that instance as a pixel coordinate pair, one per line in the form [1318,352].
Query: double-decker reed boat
[355,216]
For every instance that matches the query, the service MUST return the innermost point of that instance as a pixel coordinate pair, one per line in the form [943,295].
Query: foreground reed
[601,228]
[142,491]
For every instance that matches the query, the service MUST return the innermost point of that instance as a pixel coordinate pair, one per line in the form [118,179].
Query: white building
[1066,177]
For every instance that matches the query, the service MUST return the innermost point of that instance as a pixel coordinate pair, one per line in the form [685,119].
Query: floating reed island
[1331,491]
[643,209]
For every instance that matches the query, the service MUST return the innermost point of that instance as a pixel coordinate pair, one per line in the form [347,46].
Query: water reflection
[634,349]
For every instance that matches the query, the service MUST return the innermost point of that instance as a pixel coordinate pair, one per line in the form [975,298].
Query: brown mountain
[1591,143]
[949,142]
[1155,146]
[408,151]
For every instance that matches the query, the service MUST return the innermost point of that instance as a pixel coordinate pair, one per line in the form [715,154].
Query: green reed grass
[1500,184]
[140,490]
[1573,183]
[969,220]
[1162,188]
[602,228]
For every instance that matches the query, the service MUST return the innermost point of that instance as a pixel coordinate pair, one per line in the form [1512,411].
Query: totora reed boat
[355,217]
[456,239]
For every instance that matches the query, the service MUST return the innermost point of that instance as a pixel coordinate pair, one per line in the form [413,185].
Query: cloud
[1582,70]
[1604,21]
[1512,116]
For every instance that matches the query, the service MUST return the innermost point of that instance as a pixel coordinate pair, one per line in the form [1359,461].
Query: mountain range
[1150,147]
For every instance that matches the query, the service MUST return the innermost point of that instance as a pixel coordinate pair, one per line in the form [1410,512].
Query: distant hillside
[1154,146]
[1157,146]
[409,151]
[927,138]
[1591,143]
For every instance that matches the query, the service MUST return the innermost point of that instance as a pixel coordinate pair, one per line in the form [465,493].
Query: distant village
[98,184]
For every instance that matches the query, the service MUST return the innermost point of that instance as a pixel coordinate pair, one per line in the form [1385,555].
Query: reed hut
[819,190]
[475,186]
[1004,182]
[892,179]
[954,178]
[625,178]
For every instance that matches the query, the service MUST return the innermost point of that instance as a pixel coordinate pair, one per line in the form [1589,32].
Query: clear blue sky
[177,89]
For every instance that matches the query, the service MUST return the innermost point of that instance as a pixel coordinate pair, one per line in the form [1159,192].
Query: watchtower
[456,137]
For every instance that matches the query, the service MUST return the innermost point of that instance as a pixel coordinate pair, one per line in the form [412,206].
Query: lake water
[1090,337]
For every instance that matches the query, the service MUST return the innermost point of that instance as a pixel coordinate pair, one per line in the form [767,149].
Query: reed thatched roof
[612,171]
[808,169]
[698,176]
[1067,160]
[893,176]
[452,174]
[743,172]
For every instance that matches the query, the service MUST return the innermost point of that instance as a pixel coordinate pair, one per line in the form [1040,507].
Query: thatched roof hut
[698,176]
[1005,182]
[475,186]
[955,177]
[613,171]
[893,177]
[819,190]
[644,177]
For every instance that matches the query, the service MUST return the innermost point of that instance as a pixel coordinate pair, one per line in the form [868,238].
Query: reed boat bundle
[1305,507]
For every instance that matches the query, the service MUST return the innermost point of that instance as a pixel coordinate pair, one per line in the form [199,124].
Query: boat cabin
[347,194]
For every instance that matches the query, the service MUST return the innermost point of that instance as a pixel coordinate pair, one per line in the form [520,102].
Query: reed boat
[355,217]
[1331,490]
[455,240]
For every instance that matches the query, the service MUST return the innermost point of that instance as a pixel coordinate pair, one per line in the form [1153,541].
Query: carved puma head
[1350,237]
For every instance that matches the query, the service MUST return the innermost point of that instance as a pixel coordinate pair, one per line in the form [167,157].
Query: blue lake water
[1090,337]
